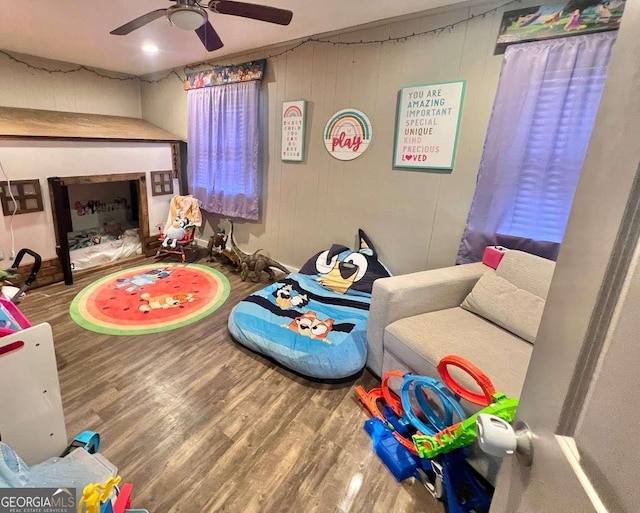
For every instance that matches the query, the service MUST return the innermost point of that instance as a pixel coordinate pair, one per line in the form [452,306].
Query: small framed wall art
[293,130]
[347,134]
[427,125]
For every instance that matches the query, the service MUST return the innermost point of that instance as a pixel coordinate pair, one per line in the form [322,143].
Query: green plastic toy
[464,433]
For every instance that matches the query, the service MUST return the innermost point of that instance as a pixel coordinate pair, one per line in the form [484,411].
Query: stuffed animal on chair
[176,232]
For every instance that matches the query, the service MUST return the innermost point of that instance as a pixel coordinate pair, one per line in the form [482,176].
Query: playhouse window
[27,197]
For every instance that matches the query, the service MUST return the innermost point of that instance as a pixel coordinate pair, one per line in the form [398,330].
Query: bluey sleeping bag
[314,322]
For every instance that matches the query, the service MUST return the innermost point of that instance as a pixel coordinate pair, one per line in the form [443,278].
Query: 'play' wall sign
[347,134]
[428,122]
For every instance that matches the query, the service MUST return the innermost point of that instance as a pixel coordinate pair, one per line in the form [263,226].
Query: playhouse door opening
[105,223]
[99,219]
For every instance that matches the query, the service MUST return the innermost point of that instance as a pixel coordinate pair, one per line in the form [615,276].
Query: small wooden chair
[185,207]
[185,243]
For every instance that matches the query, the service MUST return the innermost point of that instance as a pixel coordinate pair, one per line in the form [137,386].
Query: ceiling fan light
[188,18]
[149,48]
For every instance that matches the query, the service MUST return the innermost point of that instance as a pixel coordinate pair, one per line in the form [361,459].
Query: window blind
[542,118]
[554,152]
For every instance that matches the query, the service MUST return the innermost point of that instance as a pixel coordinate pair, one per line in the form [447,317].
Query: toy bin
[95,463]
[11,318]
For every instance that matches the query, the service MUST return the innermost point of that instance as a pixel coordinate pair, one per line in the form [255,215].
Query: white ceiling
[78,30]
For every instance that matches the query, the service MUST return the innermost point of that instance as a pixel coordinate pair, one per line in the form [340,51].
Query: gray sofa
[416,319]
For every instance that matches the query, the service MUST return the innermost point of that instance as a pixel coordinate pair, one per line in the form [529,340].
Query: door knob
[499,438]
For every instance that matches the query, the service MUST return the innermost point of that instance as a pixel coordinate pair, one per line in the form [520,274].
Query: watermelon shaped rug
[149,299]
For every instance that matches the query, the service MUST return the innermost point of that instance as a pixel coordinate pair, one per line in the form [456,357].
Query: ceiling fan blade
[138,22]
[253,11]
[209,37]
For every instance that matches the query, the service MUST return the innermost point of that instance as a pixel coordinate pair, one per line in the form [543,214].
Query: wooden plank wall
[415,218]
[72,92]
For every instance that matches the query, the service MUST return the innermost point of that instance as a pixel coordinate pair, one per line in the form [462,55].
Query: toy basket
[11,318]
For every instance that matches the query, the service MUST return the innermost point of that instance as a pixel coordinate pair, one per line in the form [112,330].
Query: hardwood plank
[200,424]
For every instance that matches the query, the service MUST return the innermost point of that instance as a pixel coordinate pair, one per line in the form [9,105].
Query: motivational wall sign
[293,130]
[428,123]
[347,134]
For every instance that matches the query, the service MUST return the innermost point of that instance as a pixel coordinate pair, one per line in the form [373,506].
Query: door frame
[57,206]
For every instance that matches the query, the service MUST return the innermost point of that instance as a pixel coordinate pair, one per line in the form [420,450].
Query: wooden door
[580,397]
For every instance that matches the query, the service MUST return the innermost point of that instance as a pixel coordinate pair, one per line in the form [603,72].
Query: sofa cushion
[506,305]
[422,340]
[529,272]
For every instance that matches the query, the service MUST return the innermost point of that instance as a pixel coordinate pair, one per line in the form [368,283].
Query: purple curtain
[223,144]
[537,139]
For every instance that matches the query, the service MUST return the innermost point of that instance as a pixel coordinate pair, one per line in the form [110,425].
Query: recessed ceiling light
[149,48]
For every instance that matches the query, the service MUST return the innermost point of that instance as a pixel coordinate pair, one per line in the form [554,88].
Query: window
[223,137]
[559,132]
[27,196]
[537,139]
[161,183]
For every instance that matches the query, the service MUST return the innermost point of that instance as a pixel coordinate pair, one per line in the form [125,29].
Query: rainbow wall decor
[293,130]
[292,111]
[347,134]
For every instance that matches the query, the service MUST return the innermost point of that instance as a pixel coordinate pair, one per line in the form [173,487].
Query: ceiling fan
[192,15]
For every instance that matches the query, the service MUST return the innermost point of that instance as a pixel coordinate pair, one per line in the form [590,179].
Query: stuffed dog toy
[176,232]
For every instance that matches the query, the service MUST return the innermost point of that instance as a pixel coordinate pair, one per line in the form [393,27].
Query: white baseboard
[201,243]
[204,243]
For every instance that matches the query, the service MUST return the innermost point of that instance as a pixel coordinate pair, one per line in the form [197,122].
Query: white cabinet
[31,415]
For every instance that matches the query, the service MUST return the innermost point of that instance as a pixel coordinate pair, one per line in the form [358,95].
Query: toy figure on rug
[164,301]
[255,262]
[139,281]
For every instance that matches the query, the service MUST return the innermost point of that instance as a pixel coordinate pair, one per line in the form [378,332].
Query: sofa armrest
[412,294]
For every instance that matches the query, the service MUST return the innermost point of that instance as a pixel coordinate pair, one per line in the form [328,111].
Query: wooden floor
[199,424]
